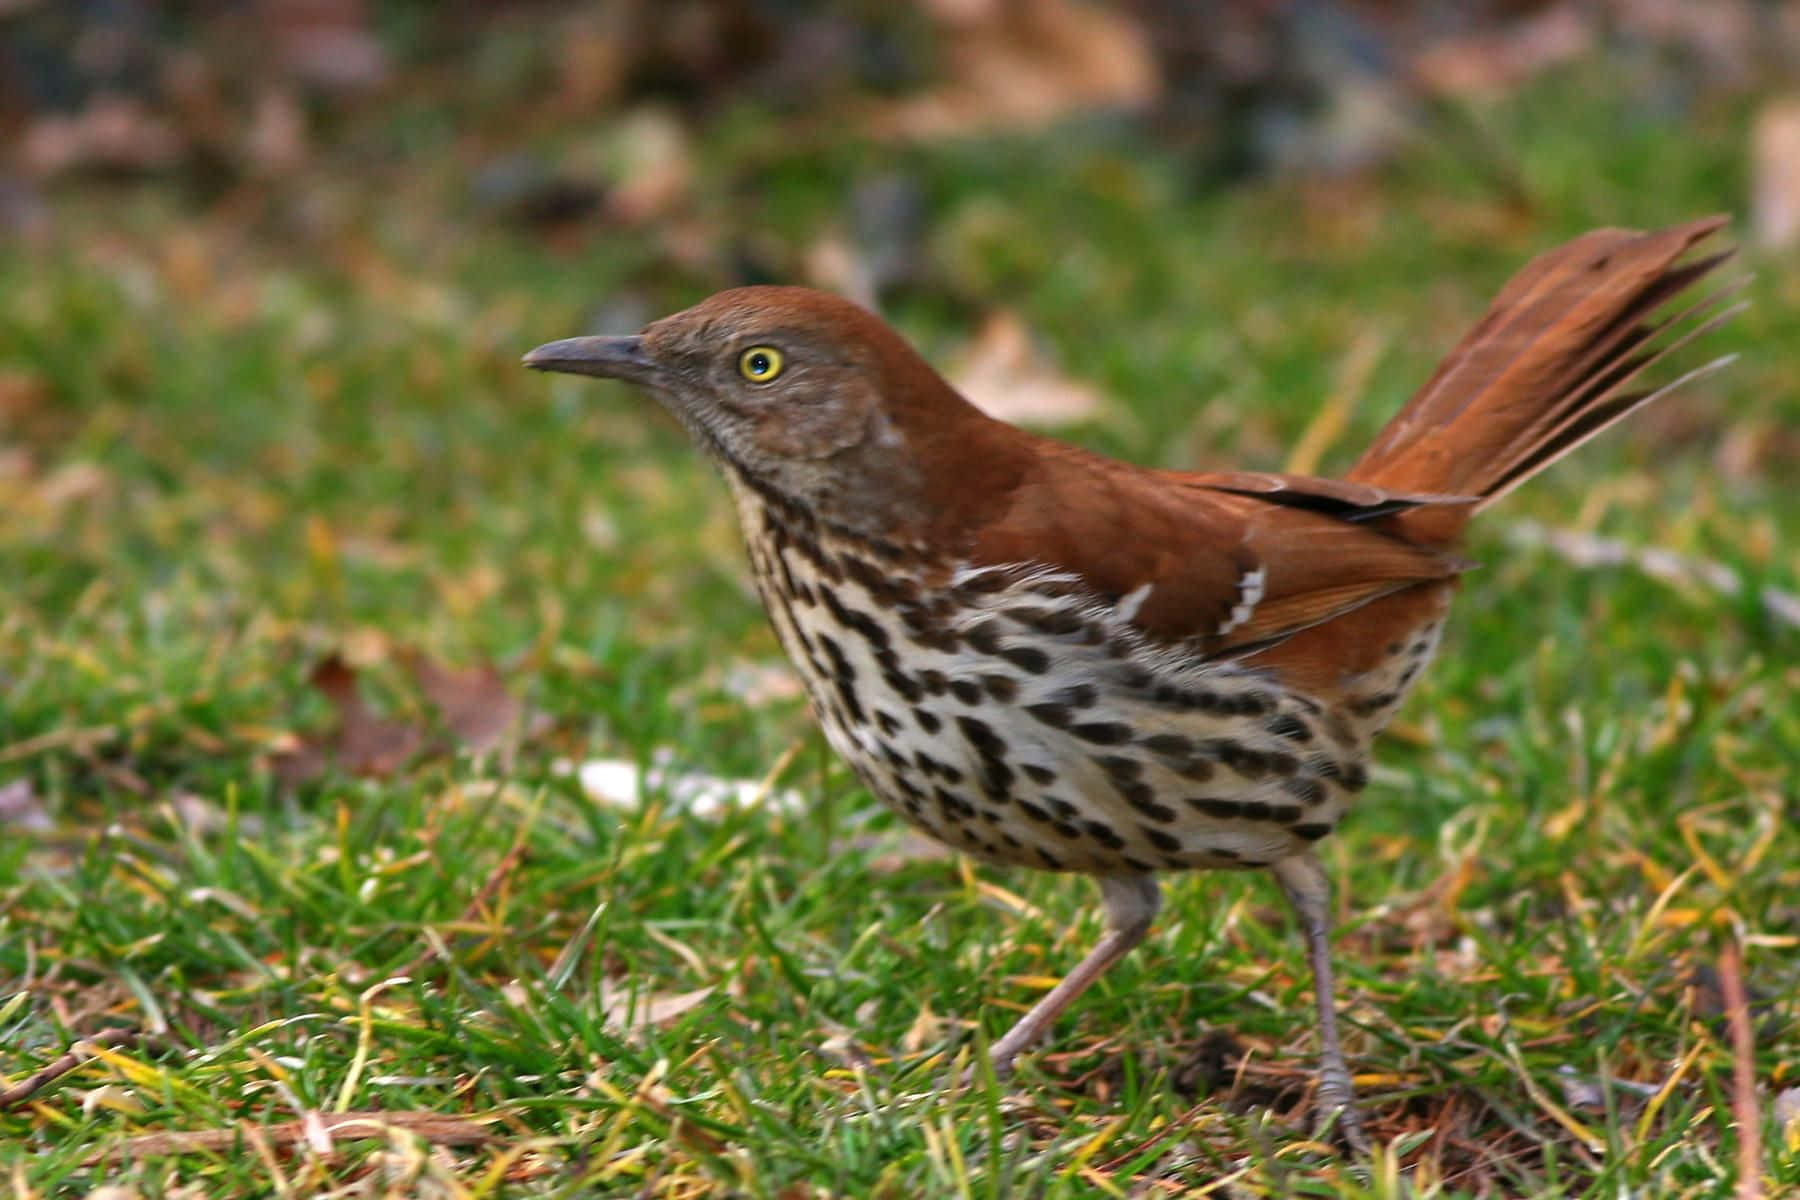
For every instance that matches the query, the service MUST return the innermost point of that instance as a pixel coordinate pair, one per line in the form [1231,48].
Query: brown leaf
[656,167]
[113,135]
[360,742]
[437,1128]
[473,702]
[1023,64]
[1003,375]
[365,743]
[628,1011]
[1775,174]
[1495,60]
[21,809]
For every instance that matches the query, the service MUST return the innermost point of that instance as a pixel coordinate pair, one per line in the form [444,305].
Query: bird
[1048,658]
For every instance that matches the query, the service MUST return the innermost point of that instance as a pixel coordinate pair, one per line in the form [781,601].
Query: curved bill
[605,357]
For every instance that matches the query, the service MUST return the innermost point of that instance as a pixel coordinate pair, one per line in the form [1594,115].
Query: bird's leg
[1131,903]
[1304,881]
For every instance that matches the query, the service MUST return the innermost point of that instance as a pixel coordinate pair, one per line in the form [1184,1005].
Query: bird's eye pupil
[759,364]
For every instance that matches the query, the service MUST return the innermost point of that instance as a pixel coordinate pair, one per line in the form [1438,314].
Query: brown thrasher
[1050,659]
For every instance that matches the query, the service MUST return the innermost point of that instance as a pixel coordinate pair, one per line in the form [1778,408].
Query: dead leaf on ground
[473,702]
[362,743]
[473,705]
[1496,59]
[115,135]
[927,1029]
[437,1128]
[656,166]
[1023,64]
[22,809]
[1003,374]
[1787,1113]
[1775,174]
[629,1011]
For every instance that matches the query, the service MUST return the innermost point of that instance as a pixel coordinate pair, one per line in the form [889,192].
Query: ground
[254,456]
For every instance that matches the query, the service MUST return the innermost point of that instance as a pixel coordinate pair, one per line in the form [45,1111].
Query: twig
[1743,1073]
[79,1053]
[507,864]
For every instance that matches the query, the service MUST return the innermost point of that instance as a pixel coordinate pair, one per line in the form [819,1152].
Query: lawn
[252,458]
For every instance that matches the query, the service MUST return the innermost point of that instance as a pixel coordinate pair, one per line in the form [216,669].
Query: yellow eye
[760,364]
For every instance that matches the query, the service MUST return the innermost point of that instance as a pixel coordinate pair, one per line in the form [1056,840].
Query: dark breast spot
[927,720]
[1307,791]
[1167,842]
[981,737]
[954,807]
[1169,745]
[903,686]
[1027,658]
[1118,766]
[1290,726]
[984,637]
[1103,733]
[1251,764]
[1104,834]
[1003,688]
[1081,695]
[1196,769]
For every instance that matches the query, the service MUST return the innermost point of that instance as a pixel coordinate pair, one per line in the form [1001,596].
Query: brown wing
[1229,563]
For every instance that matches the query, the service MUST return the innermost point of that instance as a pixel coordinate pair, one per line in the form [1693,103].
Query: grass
[234,447]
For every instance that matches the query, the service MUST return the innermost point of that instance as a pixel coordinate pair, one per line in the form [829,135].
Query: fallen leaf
[1002,374]
[436,1128]
[656,166]
[1020,65]
[1775,174]
[1497,59]
[327,44]
[627,1010]
[360,742]
[473,703]
[365,743]
[21,809]
[114,135]
[925,1030]
[1787,1114]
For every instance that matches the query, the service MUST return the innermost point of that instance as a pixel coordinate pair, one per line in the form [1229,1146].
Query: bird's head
[792,390]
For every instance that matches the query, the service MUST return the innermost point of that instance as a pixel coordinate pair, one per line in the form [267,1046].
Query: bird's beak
[606,357]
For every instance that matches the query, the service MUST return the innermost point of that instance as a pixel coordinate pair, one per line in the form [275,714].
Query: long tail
[1547,368]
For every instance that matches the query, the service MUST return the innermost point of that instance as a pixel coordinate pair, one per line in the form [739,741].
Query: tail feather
[1546,368]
